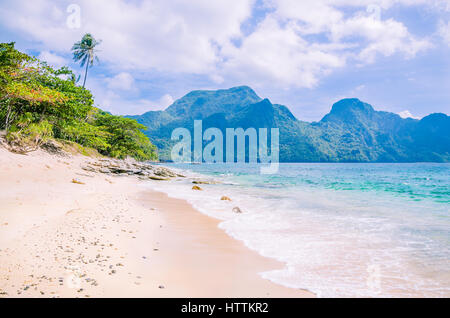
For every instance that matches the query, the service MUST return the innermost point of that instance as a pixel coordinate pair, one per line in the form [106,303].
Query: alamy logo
[235,150]
[73,20]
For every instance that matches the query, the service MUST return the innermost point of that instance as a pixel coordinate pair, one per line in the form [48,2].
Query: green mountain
[352,132]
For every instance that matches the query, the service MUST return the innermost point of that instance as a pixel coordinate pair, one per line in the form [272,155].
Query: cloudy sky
[393,54]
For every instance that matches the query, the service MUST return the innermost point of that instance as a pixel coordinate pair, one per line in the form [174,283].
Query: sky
[307,55]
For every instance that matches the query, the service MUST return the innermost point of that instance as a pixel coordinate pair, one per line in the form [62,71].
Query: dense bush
[38,102]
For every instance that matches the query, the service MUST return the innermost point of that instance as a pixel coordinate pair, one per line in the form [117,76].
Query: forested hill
[351,132]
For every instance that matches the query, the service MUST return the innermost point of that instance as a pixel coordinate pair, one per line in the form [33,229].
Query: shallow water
[341,229]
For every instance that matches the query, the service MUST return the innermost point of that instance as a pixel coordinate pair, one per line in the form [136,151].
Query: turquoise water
[340,229]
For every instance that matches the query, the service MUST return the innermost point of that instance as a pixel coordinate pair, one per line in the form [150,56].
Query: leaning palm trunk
[85,74]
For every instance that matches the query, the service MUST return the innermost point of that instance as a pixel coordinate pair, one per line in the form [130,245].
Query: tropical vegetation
[39,103]
[84,52]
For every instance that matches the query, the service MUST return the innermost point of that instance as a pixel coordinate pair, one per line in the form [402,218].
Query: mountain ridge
[353,131]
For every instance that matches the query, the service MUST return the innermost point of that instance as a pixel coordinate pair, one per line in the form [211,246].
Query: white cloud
[313,16]
[295,45]
[385,37]
[123,81]
[366,27]
[39,20]
[118,105]
[137,107]
[165,101]
[52,59]
[175,36]
[124,102]
[276,54]
[217,78]
[444,31]
[281,51]
[407,114]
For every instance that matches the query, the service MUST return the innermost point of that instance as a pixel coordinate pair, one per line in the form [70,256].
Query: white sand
[109,238]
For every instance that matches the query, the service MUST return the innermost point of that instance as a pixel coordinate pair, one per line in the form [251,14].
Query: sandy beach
[107,236]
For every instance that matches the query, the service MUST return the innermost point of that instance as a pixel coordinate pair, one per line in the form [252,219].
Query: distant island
[352,132]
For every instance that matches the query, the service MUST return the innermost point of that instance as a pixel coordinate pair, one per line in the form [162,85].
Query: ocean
[341,229]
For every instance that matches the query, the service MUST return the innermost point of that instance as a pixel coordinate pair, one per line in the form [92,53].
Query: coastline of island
[69,232]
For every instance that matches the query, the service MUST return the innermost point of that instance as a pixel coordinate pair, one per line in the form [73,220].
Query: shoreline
[217,253]
[107,237]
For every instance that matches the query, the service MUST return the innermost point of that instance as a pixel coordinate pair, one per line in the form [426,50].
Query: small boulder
[158,178]
[163,172]
[104,170]
[89,168]
[197,188]
[53,147]
[236,210]
[225,198]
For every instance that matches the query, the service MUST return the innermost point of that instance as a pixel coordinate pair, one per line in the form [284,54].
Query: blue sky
[393,54]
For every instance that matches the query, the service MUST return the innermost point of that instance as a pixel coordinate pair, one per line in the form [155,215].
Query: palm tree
[84,51]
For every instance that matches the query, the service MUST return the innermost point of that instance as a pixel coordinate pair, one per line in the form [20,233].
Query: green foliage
[30,135]
[87,135]
[38,102]
[125,137]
